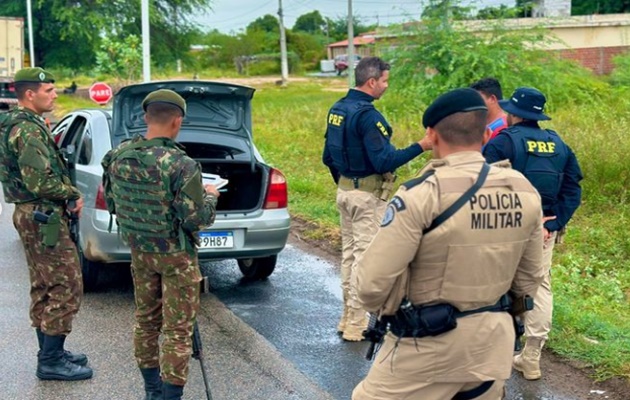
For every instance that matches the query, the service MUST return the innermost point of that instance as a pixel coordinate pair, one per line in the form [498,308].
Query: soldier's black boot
[152,383]
[52,365]
[172,392]
[74,358]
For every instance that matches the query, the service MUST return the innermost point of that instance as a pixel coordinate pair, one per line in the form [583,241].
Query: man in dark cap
[452,243]
[159,216]
[551,166]
[362,160]
[36,179]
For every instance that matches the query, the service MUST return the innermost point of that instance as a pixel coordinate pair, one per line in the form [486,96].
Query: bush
[439,55]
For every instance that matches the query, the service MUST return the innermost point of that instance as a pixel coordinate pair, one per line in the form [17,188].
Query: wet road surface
[241,364]
[297,310]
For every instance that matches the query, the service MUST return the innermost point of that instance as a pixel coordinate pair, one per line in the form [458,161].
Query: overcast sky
[233,15]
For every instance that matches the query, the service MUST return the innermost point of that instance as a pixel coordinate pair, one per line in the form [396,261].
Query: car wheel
[89,270]
[257,268]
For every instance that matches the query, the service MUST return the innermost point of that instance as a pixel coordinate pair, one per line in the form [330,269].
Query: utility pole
[284,65]
[31,47]
[146,42]
[350,53]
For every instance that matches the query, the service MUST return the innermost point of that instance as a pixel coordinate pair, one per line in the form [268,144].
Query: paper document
[212,179]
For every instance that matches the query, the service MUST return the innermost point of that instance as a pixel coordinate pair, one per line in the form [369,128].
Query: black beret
[457,100]
[165,96]
[36,75]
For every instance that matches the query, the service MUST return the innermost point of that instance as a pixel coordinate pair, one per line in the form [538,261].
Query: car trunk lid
[211,106]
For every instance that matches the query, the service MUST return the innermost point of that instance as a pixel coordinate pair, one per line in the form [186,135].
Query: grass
[591,272]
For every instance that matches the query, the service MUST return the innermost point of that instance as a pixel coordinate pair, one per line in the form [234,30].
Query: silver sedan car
[252,223]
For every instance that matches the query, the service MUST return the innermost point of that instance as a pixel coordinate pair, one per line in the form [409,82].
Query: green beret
[36,75]
[165,96]
[458,100]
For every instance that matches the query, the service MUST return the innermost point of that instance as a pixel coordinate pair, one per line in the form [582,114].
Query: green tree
[441,54]
[338,28]
[120,59]
[588,7]
[312,22]
[266,23]
[68,34]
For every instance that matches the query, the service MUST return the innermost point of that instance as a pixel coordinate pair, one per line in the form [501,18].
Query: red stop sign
[100,92]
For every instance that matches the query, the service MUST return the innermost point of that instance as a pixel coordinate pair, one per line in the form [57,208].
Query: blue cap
[527,103]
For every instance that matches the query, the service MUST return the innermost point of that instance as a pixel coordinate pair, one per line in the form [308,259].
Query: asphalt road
[241,364]
[297,310]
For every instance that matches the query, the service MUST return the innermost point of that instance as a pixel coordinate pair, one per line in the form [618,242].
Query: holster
[560,235]
[388,186]
[49,227]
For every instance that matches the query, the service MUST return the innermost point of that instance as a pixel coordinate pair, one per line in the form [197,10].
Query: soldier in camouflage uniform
[35,178]
[157,194]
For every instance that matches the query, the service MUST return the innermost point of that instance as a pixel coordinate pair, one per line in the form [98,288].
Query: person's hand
[547,232]
[425,143]
[212,190]
[78,206]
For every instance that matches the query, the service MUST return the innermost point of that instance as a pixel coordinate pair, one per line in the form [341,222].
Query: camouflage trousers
[167,300]
[55,273]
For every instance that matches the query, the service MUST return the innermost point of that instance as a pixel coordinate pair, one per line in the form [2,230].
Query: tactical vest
[343,141]
[469,260]
[141,189]
[12,185]
[541,156]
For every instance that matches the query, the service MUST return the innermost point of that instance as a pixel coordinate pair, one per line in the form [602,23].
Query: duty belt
[414,321]
[370,183]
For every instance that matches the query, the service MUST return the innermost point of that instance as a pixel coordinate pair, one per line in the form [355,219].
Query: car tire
[90,272]
[257,268]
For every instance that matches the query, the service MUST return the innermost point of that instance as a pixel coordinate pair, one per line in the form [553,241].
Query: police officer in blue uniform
[552,168]
[362,160]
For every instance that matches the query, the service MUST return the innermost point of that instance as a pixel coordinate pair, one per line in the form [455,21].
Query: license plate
[216,240]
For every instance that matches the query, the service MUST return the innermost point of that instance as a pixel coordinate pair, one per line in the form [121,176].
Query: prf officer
[361,158]
[455,273]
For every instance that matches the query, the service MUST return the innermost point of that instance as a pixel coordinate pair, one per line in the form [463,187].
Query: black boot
[172,392]
[152,383]
[52,365]
[74,358]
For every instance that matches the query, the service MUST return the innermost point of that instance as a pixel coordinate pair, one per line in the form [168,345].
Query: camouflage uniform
[35,177]
[156,191]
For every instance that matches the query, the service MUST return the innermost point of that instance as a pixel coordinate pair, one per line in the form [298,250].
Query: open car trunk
[244,190]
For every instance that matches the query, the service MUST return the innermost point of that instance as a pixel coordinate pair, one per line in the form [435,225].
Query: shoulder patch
[390,213]
[398,203]
[419,180]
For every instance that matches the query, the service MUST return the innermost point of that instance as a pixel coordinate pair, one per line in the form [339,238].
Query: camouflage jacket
[157,194]
[33,168]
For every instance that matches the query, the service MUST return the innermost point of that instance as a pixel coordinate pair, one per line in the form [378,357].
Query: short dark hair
[162,113]
[369,67]
[463,128]
[489,86]
[22,87]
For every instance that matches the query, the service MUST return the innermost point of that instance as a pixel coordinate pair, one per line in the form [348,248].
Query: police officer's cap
[527,103]
[457,100]
[35,75]
[165,96]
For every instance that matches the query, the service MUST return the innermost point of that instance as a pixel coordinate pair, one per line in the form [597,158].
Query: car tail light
[100,204]
[277,196]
